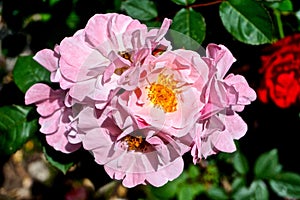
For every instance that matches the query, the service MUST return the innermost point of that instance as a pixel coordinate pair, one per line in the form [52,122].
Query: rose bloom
[168,95]
[219,124]
[129,151]
[281,72]
[140,136]
[56,119]
[106,54]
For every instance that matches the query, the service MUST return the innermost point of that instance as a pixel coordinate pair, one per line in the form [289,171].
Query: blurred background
[263,37]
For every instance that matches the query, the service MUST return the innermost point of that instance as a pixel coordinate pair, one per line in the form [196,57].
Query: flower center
[136,143]
[163,93]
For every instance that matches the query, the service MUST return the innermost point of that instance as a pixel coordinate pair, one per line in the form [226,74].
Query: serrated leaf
[267,165]
[27,72]
[57,160]
[247,21]
[240,163]
[192,25]
[15,130]
[184,2]
[286,185]
[140,9]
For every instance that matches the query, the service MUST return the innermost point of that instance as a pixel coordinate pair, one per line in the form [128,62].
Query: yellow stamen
[135,143]
[163,93]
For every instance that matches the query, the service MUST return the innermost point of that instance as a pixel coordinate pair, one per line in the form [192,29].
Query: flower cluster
[137,104]
[281,72]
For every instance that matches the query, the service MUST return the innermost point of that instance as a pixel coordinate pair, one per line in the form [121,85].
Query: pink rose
[107,54]
[56,119]
[129,153]
[168,96]
[219,124]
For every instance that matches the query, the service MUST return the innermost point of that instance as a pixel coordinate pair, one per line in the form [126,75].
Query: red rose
[281,72]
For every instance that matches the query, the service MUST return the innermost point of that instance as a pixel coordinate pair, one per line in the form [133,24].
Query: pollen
[163,93]
[136,143]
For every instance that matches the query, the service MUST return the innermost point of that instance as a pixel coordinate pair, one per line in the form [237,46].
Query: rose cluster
[136,104]
[281,72]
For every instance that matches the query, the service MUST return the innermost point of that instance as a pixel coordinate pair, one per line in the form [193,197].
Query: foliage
[244,22]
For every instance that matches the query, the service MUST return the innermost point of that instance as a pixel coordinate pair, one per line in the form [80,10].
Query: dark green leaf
[287,185]
[191,24]
[240,163]
[267,165]
[15,130]
[184,2]
[28,72]
[140,9]
[56,160]
[247,21]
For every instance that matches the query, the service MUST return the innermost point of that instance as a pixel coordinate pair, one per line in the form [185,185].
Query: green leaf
[284,5]
[72,20]
[191,24]
[217,193]
[15,130]
[57,159]
[168,191]
[257,190]
[140,9]
[185,193]
[267,165]
[53,2]
[242,194]
[184,2]
[28,72]
[286,185]
[247,21]
[297,14]
[238,183]
[240,163]
[193,172]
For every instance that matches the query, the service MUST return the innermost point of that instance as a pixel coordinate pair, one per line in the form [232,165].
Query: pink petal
[50,124]
[224,142]
[59,141]
[235,125]
[47,58]
[222,57]
[37,93]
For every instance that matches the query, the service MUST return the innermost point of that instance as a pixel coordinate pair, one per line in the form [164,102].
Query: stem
[279,23]
[206,4]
